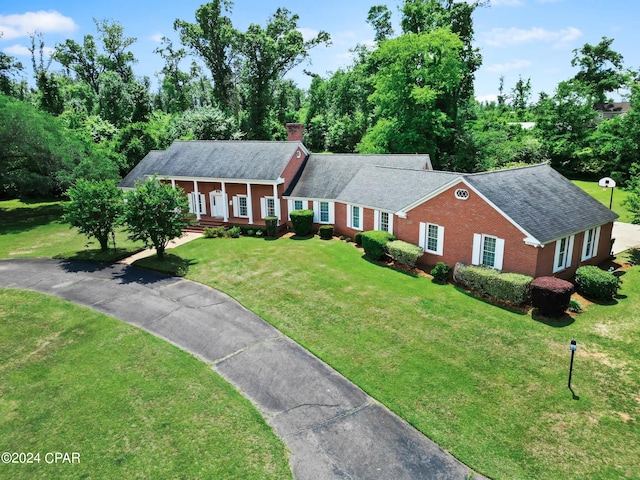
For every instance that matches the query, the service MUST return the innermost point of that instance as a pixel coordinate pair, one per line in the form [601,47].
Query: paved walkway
[332,428]
[186,237]
[627,236]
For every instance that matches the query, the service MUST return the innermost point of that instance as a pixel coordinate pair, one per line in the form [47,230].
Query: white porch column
[276,201]
[249,204]
[226,202]
[173,183]
[196,199]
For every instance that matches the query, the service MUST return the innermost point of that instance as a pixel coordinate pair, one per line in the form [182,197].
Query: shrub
[551,296]
[357,238]
[271,226]
[214,232]
[374,243]
[404,253]
[250,233]
[259,233]
[508,287]
[440,272]
[326,232]
[234,232]
[574,306]
[302,222]
[595,283]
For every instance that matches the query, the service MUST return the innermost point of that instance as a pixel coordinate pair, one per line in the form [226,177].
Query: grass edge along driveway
[131,405]
[487,384]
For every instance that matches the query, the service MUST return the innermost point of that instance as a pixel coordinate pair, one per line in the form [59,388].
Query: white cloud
[504,37]
[157,37]
[23,51]
[506,3]
[508,66]
[21,25]
[491,97]
[308,33]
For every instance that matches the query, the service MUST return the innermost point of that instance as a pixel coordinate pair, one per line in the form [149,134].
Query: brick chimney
[295,131]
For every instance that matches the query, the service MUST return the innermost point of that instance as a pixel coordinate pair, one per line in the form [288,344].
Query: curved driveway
[332,428]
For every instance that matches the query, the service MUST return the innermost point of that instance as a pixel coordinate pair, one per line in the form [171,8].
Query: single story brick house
[529,220]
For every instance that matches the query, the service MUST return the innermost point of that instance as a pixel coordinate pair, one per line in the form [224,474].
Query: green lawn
[487,384]
[132,406]
[34,229]
[604,197]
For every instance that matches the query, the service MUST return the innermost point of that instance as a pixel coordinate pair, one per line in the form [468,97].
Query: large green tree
[156,213]
[94,208]
[416,71]
[601,68]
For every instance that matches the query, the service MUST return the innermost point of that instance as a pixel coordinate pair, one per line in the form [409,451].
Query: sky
[534,39]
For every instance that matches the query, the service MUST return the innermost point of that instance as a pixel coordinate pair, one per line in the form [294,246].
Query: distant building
[612,109]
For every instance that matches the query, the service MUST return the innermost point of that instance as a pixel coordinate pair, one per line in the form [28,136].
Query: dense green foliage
[302,222]
[440,272]
[404,253]
[508,287]
[271,226]
[325,232]
[155,213]
[374,243]
[551,295]
[593,282]
[90,116]
[95,209]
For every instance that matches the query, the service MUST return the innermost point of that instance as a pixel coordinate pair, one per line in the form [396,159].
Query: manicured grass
[132,406]
[489,385]
[604,197]
[34,229]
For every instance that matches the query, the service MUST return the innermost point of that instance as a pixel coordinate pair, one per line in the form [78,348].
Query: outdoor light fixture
[573,348]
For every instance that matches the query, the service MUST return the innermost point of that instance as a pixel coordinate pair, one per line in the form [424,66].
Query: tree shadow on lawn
[560,322]
[517,309]
[171,264]
[389,266]
[18,220]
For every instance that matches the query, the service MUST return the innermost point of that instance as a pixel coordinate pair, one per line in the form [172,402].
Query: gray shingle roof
[326,175]
[242,160]
[541,201]
[392,189]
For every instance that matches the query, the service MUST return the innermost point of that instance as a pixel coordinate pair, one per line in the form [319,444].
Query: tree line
[411,92]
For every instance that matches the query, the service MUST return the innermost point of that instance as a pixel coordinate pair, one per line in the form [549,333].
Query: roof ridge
[522,167]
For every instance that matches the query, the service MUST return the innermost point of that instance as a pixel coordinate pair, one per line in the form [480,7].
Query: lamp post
[573,348]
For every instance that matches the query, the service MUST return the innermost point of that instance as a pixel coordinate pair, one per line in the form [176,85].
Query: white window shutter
[376,220]
[585,238]
[316,212]
[263,207]
[290,208]
[203,204]
[305,204]
[332,213]
[423,236]
[236,209]
[440,240]
[556,257]
[596,242]
[391,223]
[191,206]
[477,249]
[499,253]
[569,255]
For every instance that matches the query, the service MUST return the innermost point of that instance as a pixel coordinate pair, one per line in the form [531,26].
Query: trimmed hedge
[374,243]
[302,222]
[595,283]
[357,238]
[326,232]
[508,287]
[271,226]
[551,295]
[404,253]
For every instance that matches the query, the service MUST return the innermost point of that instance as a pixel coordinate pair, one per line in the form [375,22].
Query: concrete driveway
[332,428]
[627,236]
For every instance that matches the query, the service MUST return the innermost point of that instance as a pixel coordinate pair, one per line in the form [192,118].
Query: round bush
[551,296]
[326,232]
[593,282]
[302,222]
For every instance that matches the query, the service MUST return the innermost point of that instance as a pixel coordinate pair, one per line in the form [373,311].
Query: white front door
[217,204]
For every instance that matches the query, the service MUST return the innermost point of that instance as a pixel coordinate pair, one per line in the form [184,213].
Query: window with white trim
[354,217]
[243,209]
[384,221]
[297,204]
[197,203]
[324,212]
[432,238]
[590,243]
[488,251]
[270,206]
[563,254]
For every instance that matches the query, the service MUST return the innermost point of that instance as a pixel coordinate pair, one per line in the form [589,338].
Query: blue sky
[532,38]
